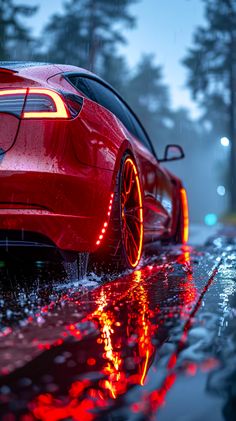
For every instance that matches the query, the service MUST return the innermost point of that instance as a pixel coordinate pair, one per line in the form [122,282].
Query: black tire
[126,222]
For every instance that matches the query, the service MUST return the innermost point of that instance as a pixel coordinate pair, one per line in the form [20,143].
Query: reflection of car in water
[77,167]
[116,349]
[87,353]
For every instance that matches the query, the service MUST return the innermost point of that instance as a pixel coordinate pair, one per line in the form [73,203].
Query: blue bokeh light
[210,219]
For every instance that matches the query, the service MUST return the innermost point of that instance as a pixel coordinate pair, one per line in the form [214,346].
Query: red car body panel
[57,175]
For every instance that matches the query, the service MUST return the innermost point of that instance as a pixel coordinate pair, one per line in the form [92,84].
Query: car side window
[138,131]
[81,84]
[110,101]
[103,96]
[99,93]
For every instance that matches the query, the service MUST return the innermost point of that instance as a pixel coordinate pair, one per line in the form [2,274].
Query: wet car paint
[158,343]
[51,161]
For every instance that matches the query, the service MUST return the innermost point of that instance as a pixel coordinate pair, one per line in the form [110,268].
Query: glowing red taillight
[12,101]
[44,103]
[184,201]
[33,103]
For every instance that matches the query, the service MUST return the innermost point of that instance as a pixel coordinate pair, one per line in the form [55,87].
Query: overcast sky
[164,27]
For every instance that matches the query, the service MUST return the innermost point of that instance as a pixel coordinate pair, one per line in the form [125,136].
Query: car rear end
[45,189]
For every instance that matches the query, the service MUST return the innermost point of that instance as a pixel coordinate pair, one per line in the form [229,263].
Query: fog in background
[172,60]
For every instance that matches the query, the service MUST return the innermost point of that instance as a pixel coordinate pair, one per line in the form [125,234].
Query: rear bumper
[67,232]
[70,210]
[57,180]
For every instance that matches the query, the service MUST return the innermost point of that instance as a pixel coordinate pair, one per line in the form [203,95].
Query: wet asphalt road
[155,344]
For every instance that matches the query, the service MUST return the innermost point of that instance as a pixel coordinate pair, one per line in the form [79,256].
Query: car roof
[15,65]
[41,70]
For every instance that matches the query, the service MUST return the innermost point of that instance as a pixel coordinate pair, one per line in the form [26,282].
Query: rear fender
[99,138]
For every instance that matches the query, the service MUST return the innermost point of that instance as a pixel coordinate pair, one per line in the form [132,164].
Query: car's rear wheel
[123,248]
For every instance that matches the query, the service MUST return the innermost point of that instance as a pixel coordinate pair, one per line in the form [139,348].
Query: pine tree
[88,31]
[12,30]
[149,97]
[115,71]
[211,64]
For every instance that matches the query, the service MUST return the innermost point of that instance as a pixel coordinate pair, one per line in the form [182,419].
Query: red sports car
[78,169]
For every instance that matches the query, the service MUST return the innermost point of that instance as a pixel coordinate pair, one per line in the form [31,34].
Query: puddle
[144,346]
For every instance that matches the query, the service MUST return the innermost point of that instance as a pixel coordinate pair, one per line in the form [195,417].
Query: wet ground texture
[155,344]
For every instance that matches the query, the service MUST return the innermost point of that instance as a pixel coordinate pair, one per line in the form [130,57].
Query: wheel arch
[112,250]
[126,149]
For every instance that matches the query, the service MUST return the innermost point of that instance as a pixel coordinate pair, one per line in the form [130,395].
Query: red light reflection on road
[122,351]
[84,398]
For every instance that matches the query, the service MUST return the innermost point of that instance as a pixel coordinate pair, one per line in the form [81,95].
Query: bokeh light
[224,142]
[210,219]
[220,190]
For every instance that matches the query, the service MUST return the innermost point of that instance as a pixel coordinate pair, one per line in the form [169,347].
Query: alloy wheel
[131,213]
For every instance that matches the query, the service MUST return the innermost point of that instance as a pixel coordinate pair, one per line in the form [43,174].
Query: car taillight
[34,103]
[44,103]
[185,227]
[12,101]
